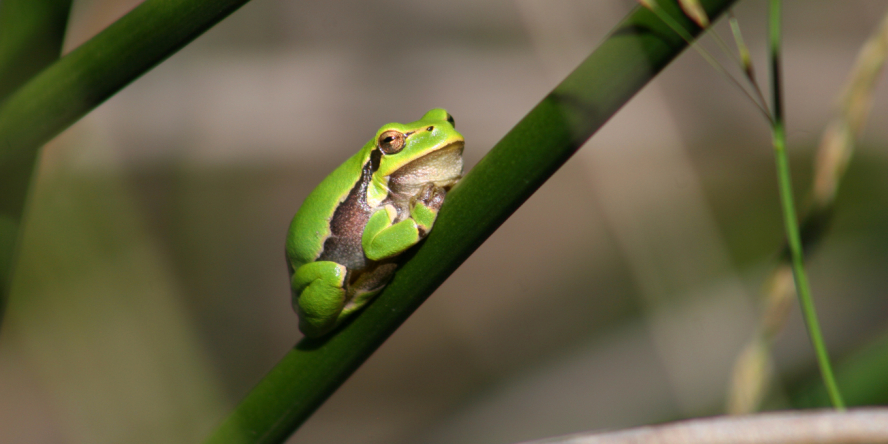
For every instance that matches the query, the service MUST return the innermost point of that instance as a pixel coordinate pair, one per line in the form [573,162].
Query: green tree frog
[343,243]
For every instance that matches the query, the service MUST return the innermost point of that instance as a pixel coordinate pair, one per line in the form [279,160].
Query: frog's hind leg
[367,286]
[319,296]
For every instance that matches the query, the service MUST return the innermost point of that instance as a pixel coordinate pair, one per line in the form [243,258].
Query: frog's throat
[443,167]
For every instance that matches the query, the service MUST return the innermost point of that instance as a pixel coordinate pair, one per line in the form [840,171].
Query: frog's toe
[431,195]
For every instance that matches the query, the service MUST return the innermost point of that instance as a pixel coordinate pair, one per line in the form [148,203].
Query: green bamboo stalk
[31,37]
[635,51]
[74,85]
[789,213]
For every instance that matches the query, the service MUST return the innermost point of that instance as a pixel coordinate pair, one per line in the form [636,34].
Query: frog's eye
[450,119]
[391,141]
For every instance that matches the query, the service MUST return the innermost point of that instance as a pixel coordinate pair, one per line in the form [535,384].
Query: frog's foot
[367,286]
[383,239]
[318,296]
[425,206]
[431,196]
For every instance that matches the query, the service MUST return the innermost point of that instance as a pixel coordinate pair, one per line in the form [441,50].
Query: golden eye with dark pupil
[390,142]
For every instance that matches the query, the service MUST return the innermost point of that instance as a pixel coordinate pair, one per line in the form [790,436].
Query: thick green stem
[31,37]
[75,84]
[789,214]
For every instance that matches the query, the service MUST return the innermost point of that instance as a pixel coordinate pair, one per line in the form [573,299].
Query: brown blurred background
[152,294]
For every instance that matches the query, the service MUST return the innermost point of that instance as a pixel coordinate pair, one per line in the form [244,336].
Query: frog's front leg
[318,295]
[384,239]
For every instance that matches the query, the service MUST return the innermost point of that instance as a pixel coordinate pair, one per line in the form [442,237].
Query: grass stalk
[790,219]
[752,369]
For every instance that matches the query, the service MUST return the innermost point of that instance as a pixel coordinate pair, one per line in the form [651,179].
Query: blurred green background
[151,292]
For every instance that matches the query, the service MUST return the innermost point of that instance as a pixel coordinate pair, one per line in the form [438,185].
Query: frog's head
[413,154]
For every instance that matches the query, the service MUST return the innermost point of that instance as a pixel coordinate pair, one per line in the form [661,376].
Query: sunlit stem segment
[789,214]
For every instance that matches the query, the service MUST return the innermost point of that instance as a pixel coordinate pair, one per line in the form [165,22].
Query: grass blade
[789,213]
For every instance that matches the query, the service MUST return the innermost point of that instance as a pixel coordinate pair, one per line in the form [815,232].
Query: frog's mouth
[443,167]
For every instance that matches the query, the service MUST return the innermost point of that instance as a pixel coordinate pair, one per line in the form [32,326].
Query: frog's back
[310,227]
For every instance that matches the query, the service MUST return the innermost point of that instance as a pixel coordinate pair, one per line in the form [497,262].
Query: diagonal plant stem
[635,51]
[75,84]
[31,37]
[789,213]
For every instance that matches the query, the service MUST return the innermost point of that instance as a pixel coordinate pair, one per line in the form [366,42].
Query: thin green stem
[789,214]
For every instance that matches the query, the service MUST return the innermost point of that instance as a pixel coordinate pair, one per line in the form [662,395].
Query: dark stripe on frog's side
[343,246]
